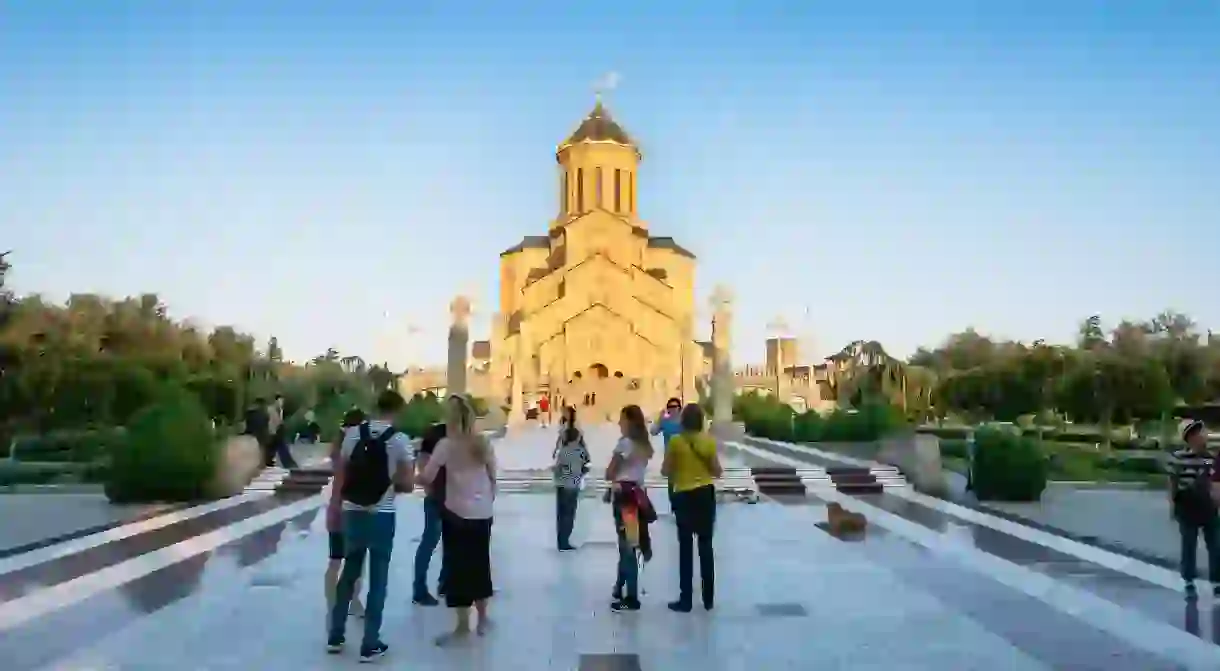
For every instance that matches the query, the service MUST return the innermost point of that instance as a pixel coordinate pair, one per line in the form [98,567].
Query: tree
[1091,336]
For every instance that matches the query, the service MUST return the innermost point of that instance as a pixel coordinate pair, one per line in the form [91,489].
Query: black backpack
[367,473]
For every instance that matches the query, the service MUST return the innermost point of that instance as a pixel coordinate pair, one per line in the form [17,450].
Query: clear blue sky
[333,172]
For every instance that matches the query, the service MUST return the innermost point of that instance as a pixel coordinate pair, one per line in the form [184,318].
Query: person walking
[334,527]
[629,504]
[692,466]
[434,499]
[1191,471]
[544,411]
[375,465]
[466,517]
[258,425]
[279,433]
[571,465]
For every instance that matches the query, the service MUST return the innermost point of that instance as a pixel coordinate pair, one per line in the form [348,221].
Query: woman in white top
[470,493]
[626,473]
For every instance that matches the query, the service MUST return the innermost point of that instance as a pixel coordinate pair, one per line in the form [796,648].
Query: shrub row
[1067,436]
[766,417]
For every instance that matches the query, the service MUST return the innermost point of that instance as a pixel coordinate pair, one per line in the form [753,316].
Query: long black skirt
[466,558]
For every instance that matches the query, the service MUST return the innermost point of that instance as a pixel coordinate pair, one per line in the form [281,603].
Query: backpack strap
[365,432]
[384,438]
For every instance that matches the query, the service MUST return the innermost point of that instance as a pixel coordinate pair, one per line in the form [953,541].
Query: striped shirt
[1186,466]
[570,462]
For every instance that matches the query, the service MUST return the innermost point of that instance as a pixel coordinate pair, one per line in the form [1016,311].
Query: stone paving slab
[918,591]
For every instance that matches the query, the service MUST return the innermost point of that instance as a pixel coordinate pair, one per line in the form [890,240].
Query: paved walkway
[236,585]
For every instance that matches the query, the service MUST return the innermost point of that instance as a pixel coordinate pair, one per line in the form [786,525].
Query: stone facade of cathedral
[598,312]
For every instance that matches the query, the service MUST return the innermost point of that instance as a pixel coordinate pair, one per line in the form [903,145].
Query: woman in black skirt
[470,493]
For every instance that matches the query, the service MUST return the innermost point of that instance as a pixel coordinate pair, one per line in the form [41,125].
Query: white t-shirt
[470,491]
[634,461]
[398,449]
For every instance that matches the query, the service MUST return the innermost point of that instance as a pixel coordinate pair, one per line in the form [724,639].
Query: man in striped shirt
[1191,470]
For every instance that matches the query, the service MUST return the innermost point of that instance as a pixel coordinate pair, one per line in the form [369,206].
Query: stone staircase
[854,480]
[305,481]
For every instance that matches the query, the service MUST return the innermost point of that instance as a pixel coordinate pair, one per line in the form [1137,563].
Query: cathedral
[598,312]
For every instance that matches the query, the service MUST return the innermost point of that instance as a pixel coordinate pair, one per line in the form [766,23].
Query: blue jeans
[566,500]
[372,534]
[627,583]
[428,540]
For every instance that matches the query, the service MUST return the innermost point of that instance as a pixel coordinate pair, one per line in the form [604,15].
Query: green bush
[171,453]
[766,417]
[1008,467]
[422,411]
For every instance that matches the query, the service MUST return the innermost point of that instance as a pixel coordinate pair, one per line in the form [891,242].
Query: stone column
[722,366]
[459,345]
[689,395]
[521,362]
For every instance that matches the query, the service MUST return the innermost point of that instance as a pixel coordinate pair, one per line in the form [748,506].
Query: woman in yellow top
[692,466]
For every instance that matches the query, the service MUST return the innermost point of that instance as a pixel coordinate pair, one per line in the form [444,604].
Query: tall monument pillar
[459,345]
[722,366]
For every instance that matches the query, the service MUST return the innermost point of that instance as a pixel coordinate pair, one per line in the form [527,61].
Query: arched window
[618,202]
[598,188]
[580,190]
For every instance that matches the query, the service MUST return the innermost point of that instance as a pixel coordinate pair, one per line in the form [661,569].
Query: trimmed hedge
[1048,433]
[1008,467]
[17,473]
[70,446]
[766,417]
[171,453]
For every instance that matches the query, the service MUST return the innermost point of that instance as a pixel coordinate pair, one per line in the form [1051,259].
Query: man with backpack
[374,466]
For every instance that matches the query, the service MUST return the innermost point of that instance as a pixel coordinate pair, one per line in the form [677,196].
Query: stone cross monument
[459,345]
[722,366]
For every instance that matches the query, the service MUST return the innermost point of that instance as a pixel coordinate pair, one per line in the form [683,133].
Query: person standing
[544,411]
[626,473]
[692,466]
[669,424]
[375,466]
[279,433]
[434,500]
[466,517]
[334,526]
[571,464]
[1190,478]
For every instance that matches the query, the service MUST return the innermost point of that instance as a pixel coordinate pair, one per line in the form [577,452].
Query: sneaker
[334,645]
[425,599]
[625,605]
[567,548]
[371,654]
[680,606]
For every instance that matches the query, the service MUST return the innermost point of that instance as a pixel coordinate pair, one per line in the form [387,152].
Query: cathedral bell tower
[598,164]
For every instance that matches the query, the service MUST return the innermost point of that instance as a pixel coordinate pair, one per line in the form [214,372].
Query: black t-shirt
[426,445]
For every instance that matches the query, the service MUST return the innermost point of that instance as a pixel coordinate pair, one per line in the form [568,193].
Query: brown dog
[844,522]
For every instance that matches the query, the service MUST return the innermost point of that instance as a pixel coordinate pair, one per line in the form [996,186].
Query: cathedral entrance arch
[599,394]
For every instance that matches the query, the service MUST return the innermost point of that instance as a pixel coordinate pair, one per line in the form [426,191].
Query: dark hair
[432,436]
[353,417]
[674,402]
[692,418]
[389,402]
[1191,429]
[570,433]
